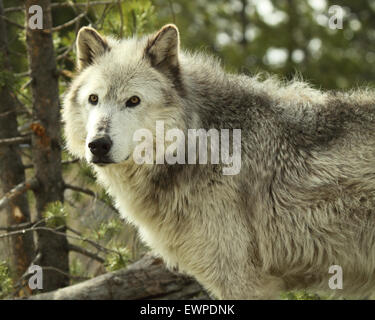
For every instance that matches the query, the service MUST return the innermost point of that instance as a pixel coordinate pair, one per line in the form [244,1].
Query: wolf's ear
[90,45]
[162,48]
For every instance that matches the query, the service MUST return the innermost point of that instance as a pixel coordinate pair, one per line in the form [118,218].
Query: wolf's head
[122,86]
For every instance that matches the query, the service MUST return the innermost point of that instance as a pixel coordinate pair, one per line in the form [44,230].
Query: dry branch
[17,190]
[32,229]
[147,278]
[69,23]
[85,252]
[30,166]
[57,231]
[16,227]
[20,26]
[82,190]
[64,4]
[16,140]
[67,275]
[89,193]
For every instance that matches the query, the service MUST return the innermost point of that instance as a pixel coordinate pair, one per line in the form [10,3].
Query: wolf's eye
[93,99]
[133,101]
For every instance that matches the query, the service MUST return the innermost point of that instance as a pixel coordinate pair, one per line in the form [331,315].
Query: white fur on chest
[158,236]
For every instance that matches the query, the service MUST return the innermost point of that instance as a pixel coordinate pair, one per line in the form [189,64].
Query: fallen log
[147,278]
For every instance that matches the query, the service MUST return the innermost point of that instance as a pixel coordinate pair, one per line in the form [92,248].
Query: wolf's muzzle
[100,148]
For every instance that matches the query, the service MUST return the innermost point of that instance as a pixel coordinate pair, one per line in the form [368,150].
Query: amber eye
[133,101]
[93,99]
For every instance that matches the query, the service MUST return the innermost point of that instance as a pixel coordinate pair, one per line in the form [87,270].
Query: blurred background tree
[285,37]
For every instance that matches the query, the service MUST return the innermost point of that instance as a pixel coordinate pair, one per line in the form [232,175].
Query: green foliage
[55,215]
[7,78]
[77,196]
[135,17]
[77,270]
[142,16]
[6,284]
[331,59]
[300,295]
[117,260]
[86,173]
[105,197]
[108,230]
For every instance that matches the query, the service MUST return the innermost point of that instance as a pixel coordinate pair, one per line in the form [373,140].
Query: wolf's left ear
[162,48]
[90,45]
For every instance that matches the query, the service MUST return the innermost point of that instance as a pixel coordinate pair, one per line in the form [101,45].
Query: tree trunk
[145,279]
[46,142]
[11,168]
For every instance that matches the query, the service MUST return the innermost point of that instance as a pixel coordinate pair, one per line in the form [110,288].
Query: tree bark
[46,142]
[145,279]
[11,167]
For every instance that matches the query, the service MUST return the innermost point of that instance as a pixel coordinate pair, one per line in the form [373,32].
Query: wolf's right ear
[90,45]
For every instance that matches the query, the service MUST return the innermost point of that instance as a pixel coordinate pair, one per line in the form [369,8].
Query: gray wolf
[304,199]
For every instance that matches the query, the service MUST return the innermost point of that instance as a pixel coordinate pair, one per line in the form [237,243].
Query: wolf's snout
[100,146]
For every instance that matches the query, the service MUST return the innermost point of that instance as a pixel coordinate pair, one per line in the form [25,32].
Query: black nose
[100,146]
